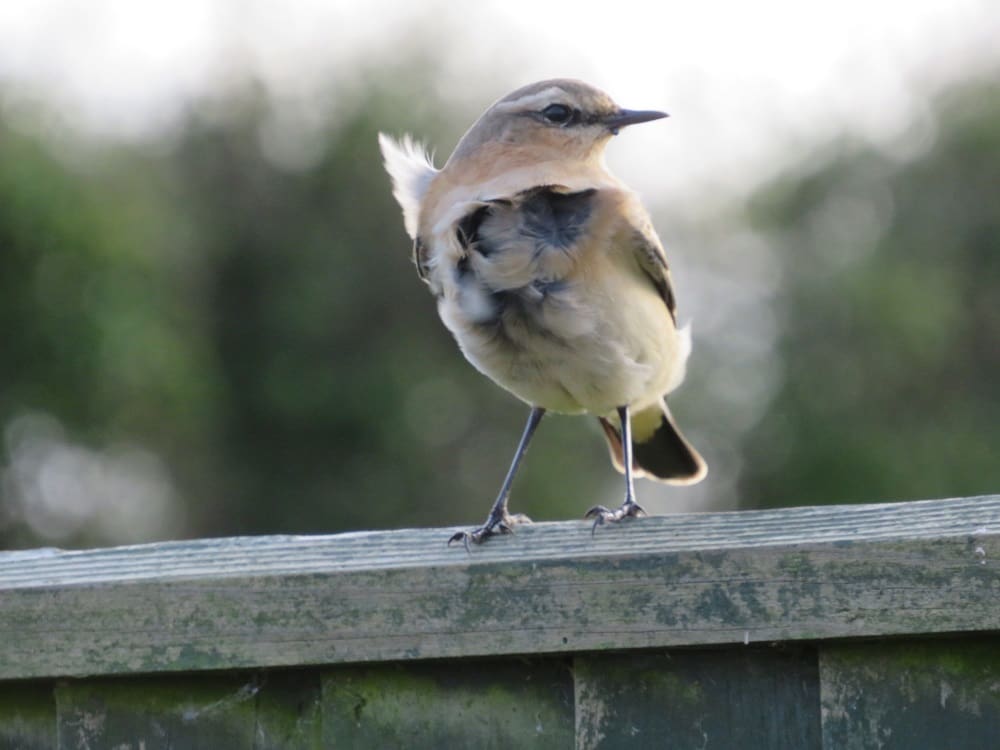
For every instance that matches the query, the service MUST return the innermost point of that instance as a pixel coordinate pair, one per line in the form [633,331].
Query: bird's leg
[630,508]
[499,520]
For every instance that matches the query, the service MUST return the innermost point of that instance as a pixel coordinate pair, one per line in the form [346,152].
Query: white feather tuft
[410,167]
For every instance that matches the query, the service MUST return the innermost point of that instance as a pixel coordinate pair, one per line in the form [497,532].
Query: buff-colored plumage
[549,274]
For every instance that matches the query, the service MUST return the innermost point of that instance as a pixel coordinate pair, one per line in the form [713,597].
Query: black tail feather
[664,455]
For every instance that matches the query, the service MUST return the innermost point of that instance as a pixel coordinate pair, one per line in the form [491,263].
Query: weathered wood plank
[806,573]
[518,703]
[911,695]
[205,714]
[27,716]
[289,711]
[746,698]
[215,712]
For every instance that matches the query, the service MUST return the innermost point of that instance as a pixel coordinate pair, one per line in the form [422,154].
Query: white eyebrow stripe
[533,100]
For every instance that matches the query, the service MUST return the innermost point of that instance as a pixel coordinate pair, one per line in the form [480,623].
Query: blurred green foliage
[891,320]
[259,329]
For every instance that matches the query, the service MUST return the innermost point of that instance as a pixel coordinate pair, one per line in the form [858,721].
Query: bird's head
[555,119]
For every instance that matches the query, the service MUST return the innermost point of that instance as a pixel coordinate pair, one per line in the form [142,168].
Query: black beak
[623,117]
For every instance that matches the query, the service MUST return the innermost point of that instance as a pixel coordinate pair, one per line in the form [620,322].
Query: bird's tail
[659,451]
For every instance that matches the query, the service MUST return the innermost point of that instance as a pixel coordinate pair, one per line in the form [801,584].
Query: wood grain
[717,578]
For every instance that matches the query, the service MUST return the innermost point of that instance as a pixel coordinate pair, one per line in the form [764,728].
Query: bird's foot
[499,523]
[601,515]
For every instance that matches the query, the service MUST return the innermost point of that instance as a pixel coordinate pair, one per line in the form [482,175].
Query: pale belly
[578,353]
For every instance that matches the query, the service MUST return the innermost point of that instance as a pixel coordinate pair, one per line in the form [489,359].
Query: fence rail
[829,627]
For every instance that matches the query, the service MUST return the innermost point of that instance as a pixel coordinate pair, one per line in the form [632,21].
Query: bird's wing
[553,216]
[648,252]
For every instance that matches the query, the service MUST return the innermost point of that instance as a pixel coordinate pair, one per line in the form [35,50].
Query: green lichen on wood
[215,712]
[484,704]
[27,716]
[713,700]
[289,712]
[129,714]
[912,695]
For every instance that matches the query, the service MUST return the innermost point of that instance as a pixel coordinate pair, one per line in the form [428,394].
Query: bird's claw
[476,536]
[602,515]
[500,525]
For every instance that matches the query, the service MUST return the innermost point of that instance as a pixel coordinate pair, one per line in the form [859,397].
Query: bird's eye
[560,114]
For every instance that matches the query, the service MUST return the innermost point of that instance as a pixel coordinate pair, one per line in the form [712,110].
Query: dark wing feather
[467,232]
[652,260]
[554,218]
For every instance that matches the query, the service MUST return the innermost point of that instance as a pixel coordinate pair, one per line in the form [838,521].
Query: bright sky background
[750,85]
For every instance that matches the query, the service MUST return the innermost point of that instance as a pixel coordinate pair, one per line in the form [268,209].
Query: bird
[549,274]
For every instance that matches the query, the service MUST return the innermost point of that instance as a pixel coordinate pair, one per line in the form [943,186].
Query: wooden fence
[866,626]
